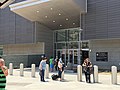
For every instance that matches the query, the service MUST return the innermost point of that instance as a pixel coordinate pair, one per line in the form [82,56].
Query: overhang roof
[55,14]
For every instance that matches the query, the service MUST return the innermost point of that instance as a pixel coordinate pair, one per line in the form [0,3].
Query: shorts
[51,66]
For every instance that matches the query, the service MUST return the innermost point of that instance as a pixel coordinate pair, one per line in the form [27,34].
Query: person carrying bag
[87,66]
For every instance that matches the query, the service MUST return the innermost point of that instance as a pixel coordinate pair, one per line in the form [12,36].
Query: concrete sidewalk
[16,82]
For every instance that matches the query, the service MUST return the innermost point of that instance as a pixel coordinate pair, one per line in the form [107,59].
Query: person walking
[3,74]
[42,68]
[87,66]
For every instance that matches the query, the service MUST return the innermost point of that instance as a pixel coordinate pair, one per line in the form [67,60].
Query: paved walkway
[16,82]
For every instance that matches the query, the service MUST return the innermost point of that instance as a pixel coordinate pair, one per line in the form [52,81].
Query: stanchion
[21,69]
[33,70]
[47,71]
[95,74]
[79,73]
[114,74]
[11,69]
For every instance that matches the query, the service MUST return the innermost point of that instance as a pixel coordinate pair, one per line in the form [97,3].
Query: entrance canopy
[55,14]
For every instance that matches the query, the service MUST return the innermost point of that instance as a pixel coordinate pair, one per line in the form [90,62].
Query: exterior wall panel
[110,46]
[44,34]
[15,29]
[102,20]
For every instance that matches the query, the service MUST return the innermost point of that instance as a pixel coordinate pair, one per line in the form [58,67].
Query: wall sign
[101,56]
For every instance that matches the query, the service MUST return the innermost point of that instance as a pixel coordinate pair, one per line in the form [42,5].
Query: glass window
[73,35]
[55,54]
[54,45]
[1,51]
[61,36]
[60,45]
[73,45]
[67,45]
[85,45]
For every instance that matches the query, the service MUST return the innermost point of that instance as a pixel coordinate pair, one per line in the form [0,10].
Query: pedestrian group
[59,66]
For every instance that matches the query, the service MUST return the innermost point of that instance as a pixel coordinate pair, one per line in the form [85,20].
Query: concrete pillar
[63,75]
[47,71]
[33,70]
[114,74]
[21,69]
[11,68]
[95,74]
[79,73]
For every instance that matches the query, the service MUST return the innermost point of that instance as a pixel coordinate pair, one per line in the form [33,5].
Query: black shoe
[43,80]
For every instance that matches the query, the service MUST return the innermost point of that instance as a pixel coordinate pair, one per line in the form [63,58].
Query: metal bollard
[11,69]
[114,74]
[33,70]
[63,75]
[21,69]
[47,71]
[95,74]
[79,73]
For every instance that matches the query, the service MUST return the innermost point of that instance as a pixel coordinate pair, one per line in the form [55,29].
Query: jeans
[42,73]
[87,76]
[59,73]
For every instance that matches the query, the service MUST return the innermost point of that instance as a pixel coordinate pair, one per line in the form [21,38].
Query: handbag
[40,72]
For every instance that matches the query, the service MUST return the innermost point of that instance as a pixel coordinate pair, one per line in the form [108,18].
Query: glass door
[62,54]
[71,57]
[75,56]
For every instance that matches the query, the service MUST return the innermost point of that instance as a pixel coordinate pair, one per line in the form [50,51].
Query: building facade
[101,27]
[80,29]
[23,41]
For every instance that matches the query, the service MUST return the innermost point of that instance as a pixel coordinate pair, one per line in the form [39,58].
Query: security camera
[5,3]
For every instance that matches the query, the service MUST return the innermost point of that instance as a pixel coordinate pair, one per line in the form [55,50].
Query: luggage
[54,77]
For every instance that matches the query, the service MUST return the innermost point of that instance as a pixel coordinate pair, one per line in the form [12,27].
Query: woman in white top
[60,65]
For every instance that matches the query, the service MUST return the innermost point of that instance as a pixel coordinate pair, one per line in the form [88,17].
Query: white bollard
[95,74]
[79,73]
[33,70]
[114,74]
[62,76]
[47,71]
[21,69]
[11,69]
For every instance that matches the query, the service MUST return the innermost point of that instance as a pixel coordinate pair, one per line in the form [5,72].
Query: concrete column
[47,71]
[114,74]
[63,75]
[21,69]
[79,73]
[33,70]
[95,74]
[11,68]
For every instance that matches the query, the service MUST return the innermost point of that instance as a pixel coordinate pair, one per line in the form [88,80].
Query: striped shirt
[2,80]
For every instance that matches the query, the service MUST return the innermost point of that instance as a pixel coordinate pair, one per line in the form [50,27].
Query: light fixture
[67,19]
[60,25]
[59,14]
[46,16]
[38,11]
[54,21]
[73,23]
[51,8]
